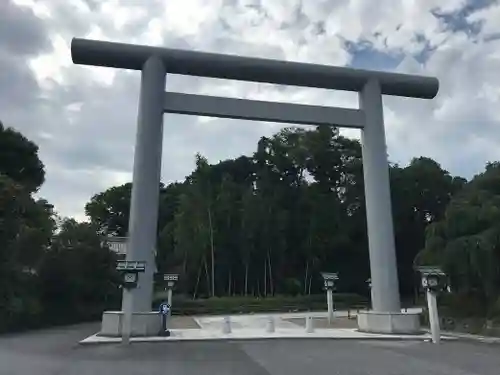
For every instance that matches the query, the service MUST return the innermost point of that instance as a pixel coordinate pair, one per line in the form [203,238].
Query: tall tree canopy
[19,159]
[270,222]
[466,241]
[257,225]
[49,273]
[420,194]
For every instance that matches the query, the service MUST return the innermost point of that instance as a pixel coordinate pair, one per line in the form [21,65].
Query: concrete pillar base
[389,322]
[144,323]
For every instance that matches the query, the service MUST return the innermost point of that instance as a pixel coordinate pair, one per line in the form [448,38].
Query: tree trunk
[306,276]
[228,230]
[271,283]
[246,278]
[212,250]
[309,250]
[184,263]
[265,277]
[197,280]
[207,276]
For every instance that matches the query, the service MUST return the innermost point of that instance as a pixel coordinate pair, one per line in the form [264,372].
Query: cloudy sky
[84,118]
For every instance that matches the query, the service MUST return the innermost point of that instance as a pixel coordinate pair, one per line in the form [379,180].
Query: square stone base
[388,322]
[147,323]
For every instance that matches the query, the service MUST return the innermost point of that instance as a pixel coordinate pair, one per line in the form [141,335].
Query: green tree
[190,238]
[248,234]
[109,211]
[194,222]
[166,258]
[271,222]
[19,159]
[227,223]
[48,274]
[26,228]
[466,242]
[77,276]
[420,194]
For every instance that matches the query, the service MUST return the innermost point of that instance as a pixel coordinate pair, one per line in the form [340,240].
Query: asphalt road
[56,352]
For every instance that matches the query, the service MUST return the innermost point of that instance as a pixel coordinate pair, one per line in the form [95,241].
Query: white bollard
[309,324]
[226,325]
[270,325]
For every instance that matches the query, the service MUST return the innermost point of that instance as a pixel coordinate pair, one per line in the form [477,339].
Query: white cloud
[489,18]
[48,67]
[39,9]
[84,118]
[188,17]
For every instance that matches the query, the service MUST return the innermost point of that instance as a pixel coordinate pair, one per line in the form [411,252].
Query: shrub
[240,304]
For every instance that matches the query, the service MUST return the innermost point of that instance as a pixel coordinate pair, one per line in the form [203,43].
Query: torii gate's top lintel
[203,64]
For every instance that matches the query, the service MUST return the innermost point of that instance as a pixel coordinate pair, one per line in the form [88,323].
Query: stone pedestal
[147,323]
[388,322]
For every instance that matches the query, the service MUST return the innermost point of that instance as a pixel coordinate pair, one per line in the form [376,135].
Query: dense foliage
[52,270]
[466,241]
[270,223]
[255,226]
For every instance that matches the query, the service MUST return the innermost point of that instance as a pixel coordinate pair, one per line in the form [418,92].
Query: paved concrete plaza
[55,351]
[255,326]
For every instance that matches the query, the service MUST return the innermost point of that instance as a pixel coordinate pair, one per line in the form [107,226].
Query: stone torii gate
[155,63]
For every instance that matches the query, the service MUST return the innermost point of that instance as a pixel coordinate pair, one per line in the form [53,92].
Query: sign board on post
[433,278]
[330,275]
[129,265]
[171,279]
[329,279]
[130,271]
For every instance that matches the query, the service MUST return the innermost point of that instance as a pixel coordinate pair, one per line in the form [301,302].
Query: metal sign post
[329,280]
[165,309]
[130,271]
[433,281]
[369,283]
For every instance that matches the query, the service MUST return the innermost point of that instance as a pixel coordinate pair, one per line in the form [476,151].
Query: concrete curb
[252,331]
[472,337]
[96,340]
